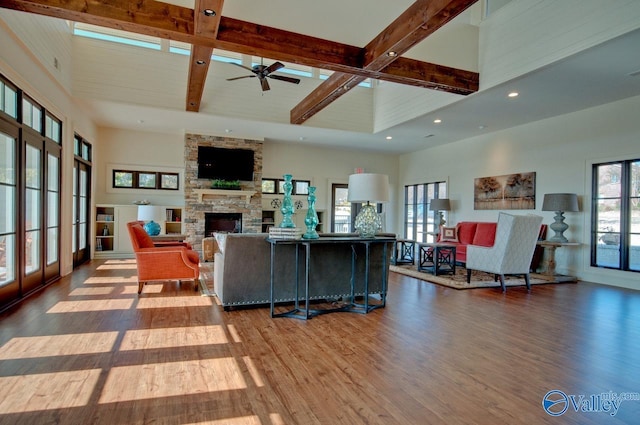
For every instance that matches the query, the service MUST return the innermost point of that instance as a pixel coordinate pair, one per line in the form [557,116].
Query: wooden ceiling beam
[206,25]
[173,22]
[420,20]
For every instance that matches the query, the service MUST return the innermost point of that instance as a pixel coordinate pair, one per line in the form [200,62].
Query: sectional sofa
[242,270]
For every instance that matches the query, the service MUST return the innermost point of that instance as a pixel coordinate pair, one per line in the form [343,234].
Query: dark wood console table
[307,244]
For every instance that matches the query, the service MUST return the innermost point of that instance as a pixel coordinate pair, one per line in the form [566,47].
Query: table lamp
[439,205]
[560,202]
[149,213]
[367,188]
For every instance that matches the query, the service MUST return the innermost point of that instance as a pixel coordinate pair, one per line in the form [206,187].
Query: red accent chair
[162,263]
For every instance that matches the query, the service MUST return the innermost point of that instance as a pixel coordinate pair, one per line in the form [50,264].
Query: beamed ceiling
[355,39]
[206,27]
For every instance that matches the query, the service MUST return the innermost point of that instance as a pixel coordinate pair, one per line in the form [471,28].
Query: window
[8,99]
[52,128]
[276,186]
[82,148]
[127,179]
[419,221]
[31,114]
[615,229]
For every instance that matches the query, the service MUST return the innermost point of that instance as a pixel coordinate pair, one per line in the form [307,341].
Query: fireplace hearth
[222,223]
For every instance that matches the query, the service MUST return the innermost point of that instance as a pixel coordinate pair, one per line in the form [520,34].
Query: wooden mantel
[247,194]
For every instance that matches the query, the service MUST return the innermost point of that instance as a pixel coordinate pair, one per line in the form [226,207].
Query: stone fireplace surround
[195,208]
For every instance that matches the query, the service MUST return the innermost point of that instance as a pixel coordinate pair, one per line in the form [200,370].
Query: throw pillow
[448,234]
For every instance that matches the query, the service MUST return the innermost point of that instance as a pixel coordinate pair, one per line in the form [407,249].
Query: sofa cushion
[466,230]
[449,234]
[485,234]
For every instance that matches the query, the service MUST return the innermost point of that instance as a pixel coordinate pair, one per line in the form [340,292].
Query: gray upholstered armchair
[512,251]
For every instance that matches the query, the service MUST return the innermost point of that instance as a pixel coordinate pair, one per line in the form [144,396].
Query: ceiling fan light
[209,12]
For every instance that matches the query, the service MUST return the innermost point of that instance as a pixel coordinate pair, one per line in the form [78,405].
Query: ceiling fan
[263,72]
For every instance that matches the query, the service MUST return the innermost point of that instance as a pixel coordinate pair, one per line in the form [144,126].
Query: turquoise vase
[287,204]
[311,220]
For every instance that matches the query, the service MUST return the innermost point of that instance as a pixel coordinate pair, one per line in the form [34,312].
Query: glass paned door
[52,215]
[9,286]
[340,209]
[81,200]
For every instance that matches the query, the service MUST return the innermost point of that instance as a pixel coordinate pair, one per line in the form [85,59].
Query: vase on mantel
[287,204]
[311,220]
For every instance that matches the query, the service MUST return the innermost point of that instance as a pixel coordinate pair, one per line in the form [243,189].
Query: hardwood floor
[89,350]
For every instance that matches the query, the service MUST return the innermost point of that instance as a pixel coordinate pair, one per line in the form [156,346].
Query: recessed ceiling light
[437,121]
[513,94]
[200,62]
[227,130]
[429,135]
[209,12]
[392,54]
[388,137]
[140,121]
[302,138]
[482,127]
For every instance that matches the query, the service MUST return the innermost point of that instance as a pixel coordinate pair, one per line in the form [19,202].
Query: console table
[307,244]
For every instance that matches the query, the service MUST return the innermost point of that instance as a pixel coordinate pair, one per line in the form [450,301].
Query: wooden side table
[550,261]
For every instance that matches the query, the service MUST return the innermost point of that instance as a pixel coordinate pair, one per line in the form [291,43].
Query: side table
[550,261]
[404,252]
[437,258]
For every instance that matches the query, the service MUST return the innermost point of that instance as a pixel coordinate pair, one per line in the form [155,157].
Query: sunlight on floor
[243,420]
[117,267]
[80,292]
[47,391]
[168,302]
[93,280]
[155,380]
[145,339]
[91,305]
[58,345]
[234,333]
[253,371]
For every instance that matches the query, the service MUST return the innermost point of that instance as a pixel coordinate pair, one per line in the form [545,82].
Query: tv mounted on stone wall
[225,164]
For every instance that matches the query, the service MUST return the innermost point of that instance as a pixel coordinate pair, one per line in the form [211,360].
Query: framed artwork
[507,192]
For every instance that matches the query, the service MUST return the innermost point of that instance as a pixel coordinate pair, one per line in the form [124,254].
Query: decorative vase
[311,220]
[287,204]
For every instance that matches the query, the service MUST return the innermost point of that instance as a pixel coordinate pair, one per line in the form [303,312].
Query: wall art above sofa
[508,192]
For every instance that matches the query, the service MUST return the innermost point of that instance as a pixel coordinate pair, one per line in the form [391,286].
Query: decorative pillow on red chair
[448,234]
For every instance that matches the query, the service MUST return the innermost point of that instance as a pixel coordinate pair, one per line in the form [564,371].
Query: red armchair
[162,263]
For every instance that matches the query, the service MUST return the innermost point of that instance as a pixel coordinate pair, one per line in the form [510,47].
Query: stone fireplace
[200,200]
[222,222]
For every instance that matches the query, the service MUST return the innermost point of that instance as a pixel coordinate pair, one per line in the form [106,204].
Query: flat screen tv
[225,164]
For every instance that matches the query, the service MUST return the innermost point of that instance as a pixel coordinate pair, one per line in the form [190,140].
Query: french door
[81,208]
[9,282]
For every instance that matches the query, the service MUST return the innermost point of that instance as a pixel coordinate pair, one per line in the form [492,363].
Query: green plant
[225,184]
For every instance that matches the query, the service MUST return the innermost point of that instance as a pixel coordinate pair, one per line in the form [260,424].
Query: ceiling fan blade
[287,79]
[242,66]
[272,68]
[244,76]
[265,84]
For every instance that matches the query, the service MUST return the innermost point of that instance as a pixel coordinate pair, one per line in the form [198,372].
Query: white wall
[560,150]
[325,166]
[155,151]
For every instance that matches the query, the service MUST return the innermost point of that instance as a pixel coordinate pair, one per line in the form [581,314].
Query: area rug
[478,279]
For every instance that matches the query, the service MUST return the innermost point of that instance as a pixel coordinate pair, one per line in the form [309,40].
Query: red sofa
[470,232]
[483,234]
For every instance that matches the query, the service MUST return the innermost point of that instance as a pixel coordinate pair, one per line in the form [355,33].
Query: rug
[478,279]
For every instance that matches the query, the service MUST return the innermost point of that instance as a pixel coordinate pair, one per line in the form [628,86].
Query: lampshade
[150,213]
[560,202]
[368,187]
[441,204]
